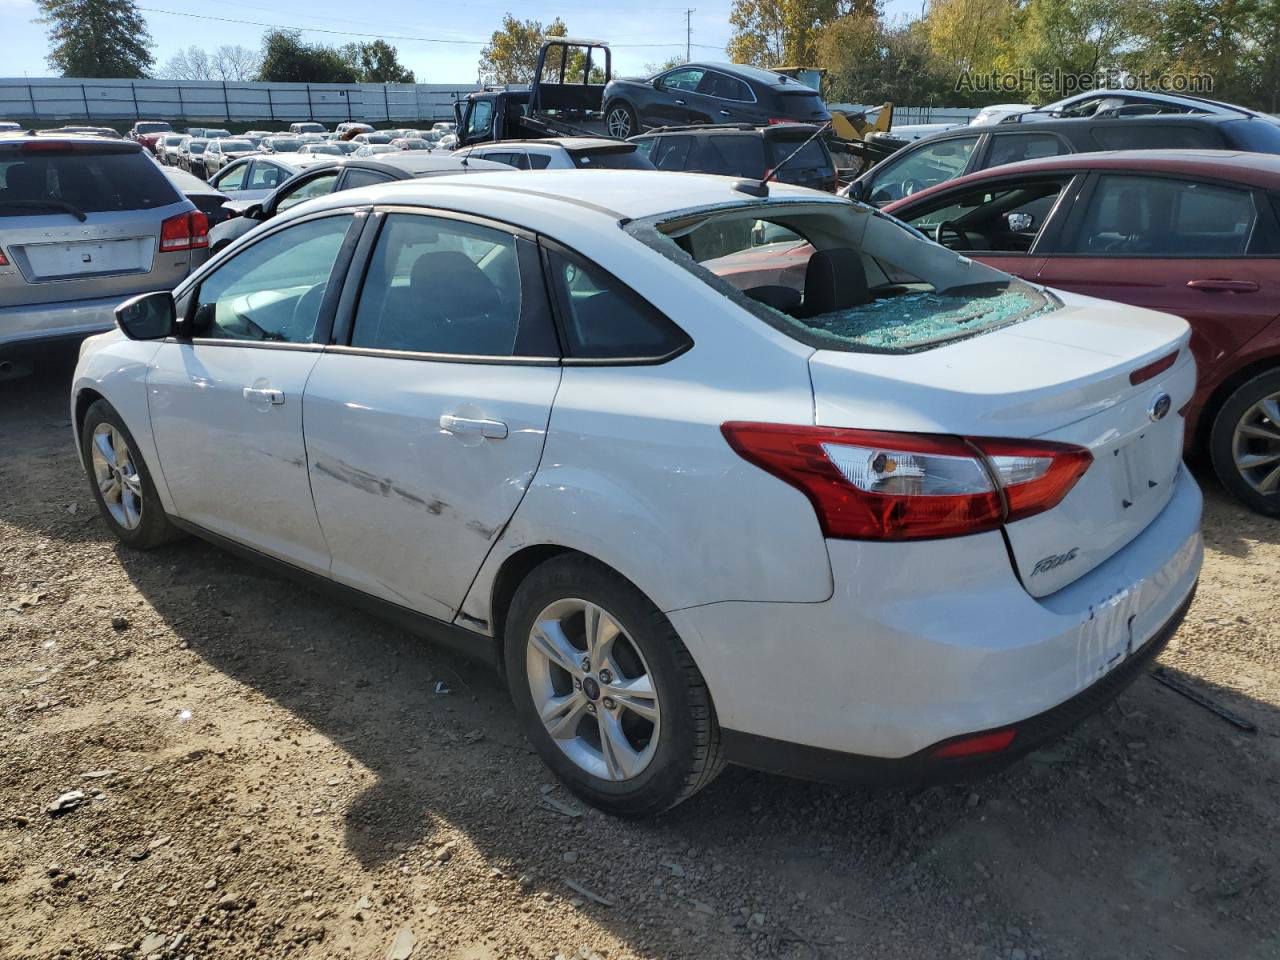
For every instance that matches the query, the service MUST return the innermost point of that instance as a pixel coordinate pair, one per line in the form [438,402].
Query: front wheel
[621,120]
[121,482]
[1245,443]
[607,691]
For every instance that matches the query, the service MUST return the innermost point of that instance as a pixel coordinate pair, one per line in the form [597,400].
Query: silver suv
[85,223]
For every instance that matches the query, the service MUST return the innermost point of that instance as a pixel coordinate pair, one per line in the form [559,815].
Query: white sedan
[893,515]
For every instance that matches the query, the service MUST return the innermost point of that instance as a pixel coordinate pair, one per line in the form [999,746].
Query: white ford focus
[709,476]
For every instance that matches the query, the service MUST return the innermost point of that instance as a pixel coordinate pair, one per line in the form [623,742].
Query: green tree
[1077,36]
[774,33]
[512,53]
[376,62]
[971,35]
[286,59]
[96,38]
[653,69]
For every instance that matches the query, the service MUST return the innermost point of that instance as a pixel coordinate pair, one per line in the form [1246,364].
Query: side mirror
[254,212]
[857,191]
[148,316]
[658,84]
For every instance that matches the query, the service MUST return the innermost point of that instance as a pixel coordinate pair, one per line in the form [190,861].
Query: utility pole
[688,31]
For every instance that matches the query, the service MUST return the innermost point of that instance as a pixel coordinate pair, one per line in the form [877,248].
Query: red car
[148,133]
[1194,233]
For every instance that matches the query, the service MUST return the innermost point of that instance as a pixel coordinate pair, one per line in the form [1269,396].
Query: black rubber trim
[476,646]
[923,768]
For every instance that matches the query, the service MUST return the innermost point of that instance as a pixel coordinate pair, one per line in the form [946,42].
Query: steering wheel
[951,225]
[910,186]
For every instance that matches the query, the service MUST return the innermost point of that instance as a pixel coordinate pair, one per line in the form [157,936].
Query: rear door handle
[264,395]
[680,103]
[1223,286]
[467,426]
[725,113]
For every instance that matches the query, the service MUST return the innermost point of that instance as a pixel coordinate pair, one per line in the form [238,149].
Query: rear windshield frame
[649,232]
[123,165]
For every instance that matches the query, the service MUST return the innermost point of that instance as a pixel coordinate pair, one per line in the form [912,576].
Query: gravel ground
[262,773]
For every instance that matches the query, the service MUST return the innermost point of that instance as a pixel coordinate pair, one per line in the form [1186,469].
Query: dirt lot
[267,774]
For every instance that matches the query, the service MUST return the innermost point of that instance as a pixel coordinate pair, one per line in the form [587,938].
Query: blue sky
[639,33]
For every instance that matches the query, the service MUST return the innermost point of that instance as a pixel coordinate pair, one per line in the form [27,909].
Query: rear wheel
[620,120]
[607,691]
[1245,443]
[121,482]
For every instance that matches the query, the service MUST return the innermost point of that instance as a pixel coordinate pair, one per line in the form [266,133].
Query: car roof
[1253,169]
[613,194]
[117,144]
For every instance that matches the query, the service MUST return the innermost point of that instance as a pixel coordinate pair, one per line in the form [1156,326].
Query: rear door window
[364,178]
[734,155]
[266,176]
[1146,135]
[436,285]
[1014,147]
[1138,216]
[672,153]
[82,180]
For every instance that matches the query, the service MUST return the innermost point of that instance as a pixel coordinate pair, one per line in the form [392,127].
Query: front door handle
[467,426]
[725,113]
[264,395]
[679,103]
[1218,285]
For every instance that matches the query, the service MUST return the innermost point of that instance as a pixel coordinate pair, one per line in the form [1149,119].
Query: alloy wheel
[117,476]
[1255,445]
[619,123]
[593,690]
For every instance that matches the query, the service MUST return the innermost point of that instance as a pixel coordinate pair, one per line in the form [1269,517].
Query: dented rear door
[425,427]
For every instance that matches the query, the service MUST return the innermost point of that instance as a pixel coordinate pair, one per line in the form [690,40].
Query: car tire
[606,749]
[1244,444]
[121,482]
[620,120]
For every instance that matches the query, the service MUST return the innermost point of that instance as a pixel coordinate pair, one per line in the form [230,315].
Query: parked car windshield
[236,146]
[89,181]
[843,277]
[158,126]
[285,144]
[215,134]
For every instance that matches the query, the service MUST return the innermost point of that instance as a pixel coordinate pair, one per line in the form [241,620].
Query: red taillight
[982,743]
[1143,374]
[45,146]
[183,232]
[774,121]
[877,485]
[4,261]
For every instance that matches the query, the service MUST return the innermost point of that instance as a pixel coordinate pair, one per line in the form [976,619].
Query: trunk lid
[1061,376]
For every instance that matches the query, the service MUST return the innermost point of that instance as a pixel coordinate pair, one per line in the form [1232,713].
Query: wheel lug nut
[586,664]
[608,703]
[606,676]
[577,683]
[591,708]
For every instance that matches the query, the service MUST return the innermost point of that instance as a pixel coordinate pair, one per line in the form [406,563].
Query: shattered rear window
[842,276]
[917,319]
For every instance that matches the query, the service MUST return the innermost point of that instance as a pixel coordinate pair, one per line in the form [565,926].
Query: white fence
[116,100]
[112,101]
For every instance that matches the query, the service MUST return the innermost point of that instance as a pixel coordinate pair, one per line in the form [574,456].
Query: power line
[381,36]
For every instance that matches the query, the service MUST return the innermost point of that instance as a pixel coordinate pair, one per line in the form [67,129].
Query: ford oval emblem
[1160,406]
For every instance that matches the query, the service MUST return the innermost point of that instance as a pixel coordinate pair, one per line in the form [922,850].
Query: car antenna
[760,188]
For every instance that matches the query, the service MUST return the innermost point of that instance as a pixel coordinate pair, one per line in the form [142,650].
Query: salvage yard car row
[614,430]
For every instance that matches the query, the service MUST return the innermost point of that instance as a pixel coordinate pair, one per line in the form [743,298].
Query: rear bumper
[924,767]
[33,328]
[921,643]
